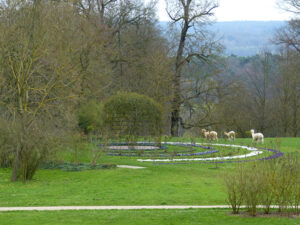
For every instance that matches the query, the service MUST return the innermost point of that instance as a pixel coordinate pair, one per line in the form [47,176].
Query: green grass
[200,184]
[156,185]
[195,184]
[137,217]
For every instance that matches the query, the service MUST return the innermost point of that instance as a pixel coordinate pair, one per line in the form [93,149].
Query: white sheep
[210,135]
[257,137]
[230,135]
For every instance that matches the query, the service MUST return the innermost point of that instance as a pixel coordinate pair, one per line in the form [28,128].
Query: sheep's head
[252,131]
[203,131]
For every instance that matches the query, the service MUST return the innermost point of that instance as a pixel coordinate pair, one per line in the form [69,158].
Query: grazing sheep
[230,135]
[210,135]
[257,137]
[213,135]
[205,133]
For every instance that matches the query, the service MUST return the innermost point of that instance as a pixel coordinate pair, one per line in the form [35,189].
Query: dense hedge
[132,114]
[90,116]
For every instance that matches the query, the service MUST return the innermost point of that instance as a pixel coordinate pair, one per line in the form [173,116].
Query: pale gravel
[254,152]
[59,208]
[130,167]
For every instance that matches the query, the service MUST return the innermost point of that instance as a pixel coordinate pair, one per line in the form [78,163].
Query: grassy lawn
[183,184]
[131,217]
[198,184]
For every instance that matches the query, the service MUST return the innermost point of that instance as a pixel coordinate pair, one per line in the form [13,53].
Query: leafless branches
[292,6]
[289,35]
[190,10]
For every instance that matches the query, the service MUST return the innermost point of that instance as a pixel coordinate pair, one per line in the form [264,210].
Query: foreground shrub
[24,149]
[235,188]
[253,188]
[267,193]
[284,180]
[265,183]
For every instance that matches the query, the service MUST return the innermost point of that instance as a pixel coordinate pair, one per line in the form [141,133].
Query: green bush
[90,116]
[132,114]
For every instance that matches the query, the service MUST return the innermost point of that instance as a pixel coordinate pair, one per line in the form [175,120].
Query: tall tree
[191,15]
[288,91]
[289,38]
[259,74]
[39,76]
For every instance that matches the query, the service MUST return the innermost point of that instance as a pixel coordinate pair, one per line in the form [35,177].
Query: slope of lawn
[136,217]
[195,184]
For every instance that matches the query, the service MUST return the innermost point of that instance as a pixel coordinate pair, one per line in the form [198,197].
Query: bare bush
[266,183]
[235,187]
[253,187]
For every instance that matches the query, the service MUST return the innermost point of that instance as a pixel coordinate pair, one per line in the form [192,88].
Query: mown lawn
[137,217]
[156,185]
[197,184]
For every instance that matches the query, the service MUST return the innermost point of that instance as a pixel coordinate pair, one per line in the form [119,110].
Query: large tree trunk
[175,120]
[175,114]
[188,12]
[101,8]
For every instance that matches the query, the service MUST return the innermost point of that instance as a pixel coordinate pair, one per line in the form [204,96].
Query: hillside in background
[245,38]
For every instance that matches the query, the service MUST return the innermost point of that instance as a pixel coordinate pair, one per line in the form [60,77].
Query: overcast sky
[232,10]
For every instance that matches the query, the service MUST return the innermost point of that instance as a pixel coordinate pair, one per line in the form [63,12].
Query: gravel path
[59,208]
[254,152]
[130,167]
[125,147]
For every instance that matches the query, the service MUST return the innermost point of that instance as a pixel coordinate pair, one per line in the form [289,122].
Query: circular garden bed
[182,153]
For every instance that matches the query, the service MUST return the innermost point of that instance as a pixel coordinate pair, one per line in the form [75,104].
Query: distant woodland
[245,38]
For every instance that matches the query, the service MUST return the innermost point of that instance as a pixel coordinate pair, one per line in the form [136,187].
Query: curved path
[254,152]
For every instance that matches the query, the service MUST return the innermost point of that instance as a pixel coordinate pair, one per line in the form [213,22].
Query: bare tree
[289,35]
[90,7]
[292,6]
[259,75]
[288,91]
[289,38]
[191,15]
